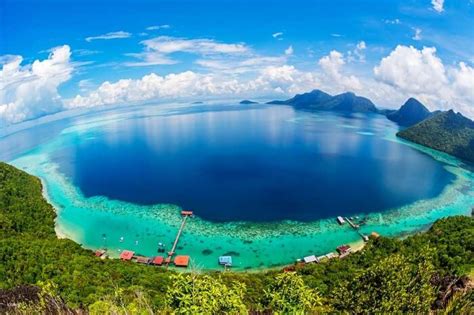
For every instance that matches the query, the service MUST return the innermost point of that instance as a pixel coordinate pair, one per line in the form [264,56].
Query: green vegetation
[40,273]
[192,294]
[319,100]
[411,113]
[447,132]
[288,294]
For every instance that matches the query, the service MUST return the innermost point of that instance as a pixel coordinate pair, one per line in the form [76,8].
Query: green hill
[448,132]
[319,100]
[411,113]
[40,273]
[312,98]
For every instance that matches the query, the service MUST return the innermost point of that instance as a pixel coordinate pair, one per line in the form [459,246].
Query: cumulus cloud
[111,35]
[31,91]
[358,53]
[158,50]
[421,73]
[332,67]
[270,80]
[289,51]
[438,5]
[233,70]
[412,70]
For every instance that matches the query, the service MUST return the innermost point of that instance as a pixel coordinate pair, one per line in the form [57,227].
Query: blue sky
[180,50]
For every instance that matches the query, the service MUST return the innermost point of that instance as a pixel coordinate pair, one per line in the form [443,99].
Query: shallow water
[265,181]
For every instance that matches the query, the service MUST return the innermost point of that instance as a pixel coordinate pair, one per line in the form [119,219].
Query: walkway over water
[185,215]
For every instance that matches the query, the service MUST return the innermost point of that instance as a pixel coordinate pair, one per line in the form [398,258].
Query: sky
[62,55]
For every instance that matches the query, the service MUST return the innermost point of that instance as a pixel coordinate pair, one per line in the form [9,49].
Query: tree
[394,285]
[201,294]
[289,294]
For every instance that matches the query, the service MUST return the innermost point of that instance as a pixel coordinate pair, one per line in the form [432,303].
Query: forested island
[446,131]
[432,270]
[319,100]
[449,132]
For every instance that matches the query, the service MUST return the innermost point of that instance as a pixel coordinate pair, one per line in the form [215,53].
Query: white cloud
[31,91]
[358,54]
[412,70]
[278,35]
[422,74]
[157,27]
[85,85]
[393,22]
[336,35]
[111,35]
[285,80]
[158,49]
[85,52]
[233,70]
[239,64]
[332,67]
[168,45]
[271,80]
[289,51]
[361,45]
[438,5]
[417,35]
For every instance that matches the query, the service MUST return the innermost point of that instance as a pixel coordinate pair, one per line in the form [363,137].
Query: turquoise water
[98,221]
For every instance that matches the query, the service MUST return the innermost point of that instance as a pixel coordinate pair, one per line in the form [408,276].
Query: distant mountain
[320,100]
[411,113]
[248,102]
[349,102]
[446,131]
[306,99]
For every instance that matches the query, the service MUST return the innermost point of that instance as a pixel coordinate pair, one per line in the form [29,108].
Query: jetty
[182,262]
[355,227]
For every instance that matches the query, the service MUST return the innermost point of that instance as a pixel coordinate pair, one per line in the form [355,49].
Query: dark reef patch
[207,252]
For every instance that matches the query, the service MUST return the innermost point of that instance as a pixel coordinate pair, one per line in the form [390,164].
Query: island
[247,102]
[448,132]
[410,113]
[319,100]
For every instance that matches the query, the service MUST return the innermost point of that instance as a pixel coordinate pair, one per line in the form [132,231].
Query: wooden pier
[356,227]
[185,215]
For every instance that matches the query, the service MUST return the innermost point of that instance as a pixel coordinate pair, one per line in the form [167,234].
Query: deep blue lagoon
[252,163]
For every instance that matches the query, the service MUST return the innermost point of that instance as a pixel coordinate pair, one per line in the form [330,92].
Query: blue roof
[225,260]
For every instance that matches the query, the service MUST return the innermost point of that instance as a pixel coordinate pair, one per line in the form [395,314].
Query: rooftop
[310,259]
[158,260]
[181,261]
[126,255]
[225,260]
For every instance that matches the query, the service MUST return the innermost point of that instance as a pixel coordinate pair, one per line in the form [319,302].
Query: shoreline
[99,222]
[357,245]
